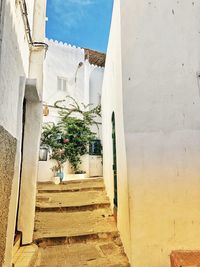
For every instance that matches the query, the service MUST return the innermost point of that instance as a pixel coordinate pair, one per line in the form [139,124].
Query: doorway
[115,200]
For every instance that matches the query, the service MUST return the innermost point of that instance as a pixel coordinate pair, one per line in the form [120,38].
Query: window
[95,148]
[62,84]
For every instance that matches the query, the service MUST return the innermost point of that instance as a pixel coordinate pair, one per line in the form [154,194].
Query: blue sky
[84,23]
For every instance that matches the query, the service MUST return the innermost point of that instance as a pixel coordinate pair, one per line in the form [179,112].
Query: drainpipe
[39,48]
[24,12]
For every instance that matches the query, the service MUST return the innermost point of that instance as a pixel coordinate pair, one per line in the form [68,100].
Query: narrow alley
[99,133]
[74,226]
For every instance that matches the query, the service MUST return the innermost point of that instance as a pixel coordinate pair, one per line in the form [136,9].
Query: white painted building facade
[151,83]
[22,51]
[67,72]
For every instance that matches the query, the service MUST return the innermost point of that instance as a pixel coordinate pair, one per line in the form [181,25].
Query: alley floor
[74,226]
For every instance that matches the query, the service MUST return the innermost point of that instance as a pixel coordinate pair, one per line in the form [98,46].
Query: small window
[95,148]
[62,84]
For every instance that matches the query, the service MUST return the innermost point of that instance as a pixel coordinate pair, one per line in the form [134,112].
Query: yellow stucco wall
[164,195]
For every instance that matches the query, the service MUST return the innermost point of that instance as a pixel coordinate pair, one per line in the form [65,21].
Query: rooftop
[95,57]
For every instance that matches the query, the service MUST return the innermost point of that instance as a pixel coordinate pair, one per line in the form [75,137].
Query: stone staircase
[74,226]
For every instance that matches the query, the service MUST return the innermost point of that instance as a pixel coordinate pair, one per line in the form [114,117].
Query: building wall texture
[14,70]
[32,128]
[112,102]
[84,83]
[12,48]
[62,61]
[7,159]
[160,90]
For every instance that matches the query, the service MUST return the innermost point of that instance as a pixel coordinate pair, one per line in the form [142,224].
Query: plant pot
[61,175]
[56,179]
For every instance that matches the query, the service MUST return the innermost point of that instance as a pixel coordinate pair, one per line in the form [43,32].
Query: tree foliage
[70,137]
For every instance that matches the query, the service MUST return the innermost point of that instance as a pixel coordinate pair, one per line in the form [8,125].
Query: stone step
[90,184]
[53,241]
[26,256]
[16,246]
[73,224]
[80,200]
[94,253]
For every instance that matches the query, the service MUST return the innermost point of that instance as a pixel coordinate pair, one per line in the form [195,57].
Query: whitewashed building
[22,51]
[76,72]
[151,127]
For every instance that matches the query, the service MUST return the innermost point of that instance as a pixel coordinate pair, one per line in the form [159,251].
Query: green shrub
[69,139]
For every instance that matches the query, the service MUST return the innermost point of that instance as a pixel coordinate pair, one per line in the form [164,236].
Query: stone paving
[72,186]
[63,200]
[71,237]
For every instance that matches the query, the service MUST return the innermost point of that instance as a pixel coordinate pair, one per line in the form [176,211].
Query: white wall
[162,126]
[160,60]
[62,60]
[14,63]
[32,129]
[15,53]
[96,82]
[112,101]
[14,70]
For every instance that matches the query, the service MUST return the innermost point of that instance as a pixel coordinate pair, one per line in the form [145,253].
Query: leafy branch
[70,137]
